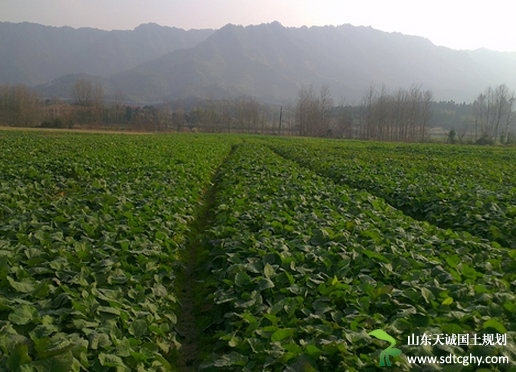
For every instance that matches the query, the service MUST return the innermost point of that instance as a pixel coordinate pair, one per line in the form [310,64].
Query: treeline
[410,115]
[88,108]
[19,106]
[403,115]
[400,115]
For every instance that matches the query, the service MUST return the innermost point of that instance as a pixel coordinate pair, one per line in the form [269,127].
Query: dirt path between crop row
[194,316]
[192,292]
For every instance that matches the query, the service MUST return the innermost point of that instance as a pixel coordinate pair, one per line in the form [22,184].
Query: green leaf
[384,290]
[313,351]
[23,315]
[111,360]
[163,362]
[493,323]
[138,328]
[265,283]
[509,306]
[452,328]
[377,256]
[282,334]
[427,294]
[453,260]
[231,359]
[23,287]
[268,270]
[99,340]
[59,363]
[17,356]
[447,301]
[241,279]
[109,310]
[123,348]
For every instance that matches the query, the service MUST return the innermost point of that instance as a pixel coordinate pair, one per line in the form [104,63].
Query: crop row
[303,269]
[421,189]
[91,228]
[487,165]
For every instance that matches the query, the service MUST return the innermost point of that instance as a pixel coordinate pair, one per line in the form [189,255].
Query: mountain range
[34,54]
[267,61]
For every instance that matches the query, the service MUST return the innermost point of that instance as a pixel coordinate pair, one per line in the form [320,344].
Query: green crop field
[186,252]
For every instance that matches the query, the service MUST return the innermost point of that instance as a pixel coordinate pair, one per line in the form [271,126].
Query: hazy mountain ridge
[34,54]
[272,62]
[267,61]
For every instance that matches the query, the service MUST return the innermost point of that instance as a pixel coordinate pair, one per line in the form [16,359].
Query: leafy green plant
[91,231]
[304,268]
[465,189]
[302,258]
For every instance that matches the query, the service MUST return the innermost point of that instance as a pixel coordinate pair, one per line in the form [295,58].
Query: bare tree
[426,113]
[82,92]
[344,122]
[307,105]
[493,112]
[325,105]
[117,107]
[90,98]
[19,106]
[403,116]
[313,113]
[178,116]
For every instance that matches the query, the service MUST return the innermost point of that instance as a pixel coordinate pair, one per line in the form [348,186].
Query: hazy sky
[455,24]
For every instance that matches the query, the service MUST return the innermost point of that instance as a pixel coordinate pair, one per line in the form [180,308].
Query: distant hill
[268,61]
[272,62]
[33,54]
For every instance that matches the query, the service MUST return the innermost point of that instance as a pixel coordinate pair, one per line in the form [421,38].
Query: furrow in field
[91,232]
[194,315]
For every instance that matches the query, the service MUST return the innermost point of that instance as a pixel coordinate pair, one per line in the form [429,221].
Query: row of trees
[407,115]
[401,115]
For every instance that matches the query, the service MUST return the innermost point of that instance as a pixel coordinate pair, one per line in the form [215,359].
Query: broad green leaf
[109,310]
[427,294]
[23,315]
[265,283]
[231,359]
[99,340]
[18,356]
[282,334]
[164,363]
[138,328]
[111,360]
[268,270]
[241,279]
[453,260]
[493,323]
[24,286]
[59,363]
[447,301]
